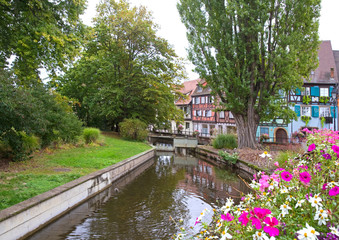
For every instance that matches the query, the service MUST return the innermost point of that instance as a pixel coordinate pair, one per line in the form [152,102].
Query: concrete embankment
[21,219]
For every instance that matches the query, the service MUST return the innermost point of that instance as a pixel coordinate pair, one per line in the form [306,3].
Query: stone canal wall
[28,216]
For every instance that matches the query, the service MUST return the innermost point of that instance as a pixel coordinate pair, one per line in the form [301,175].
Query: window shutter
[315,111]
[332,111]
[297,110]
[297,92]
[315,91]
[331,89]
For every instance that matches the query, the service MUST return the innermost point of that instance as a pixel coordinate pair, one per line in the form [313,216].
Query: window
[306,111]
[194,113]
[187,125]
[193,100]
[307,91]
[230,115]
[204,129]
[199,89]
[222,114]
[264,130]
[210,99]
[324,112]
[208,113]
[197,100]
[324,92]
[199,113]
[203,113]
[203,100]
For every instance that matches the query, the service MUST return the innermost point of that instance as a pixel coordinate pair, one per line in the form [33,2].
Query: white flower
[255,184]
[260,235]
[225,234]
[180,236]
[227,207]
[307,233]
[283,190]
[198,220]
[299,203]
[265,154]
[273,184]
[315,201]
[322,216]
[290,198]
[239,210]
[284,209]
[332,174]
[334,231]
[321,212]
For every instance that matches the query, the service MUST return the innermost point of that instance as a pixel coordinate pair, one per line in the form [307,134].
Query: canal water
[149,202]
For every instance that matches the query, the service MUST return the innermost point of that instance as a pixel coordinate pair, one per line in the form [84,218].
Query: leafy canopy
[126,70]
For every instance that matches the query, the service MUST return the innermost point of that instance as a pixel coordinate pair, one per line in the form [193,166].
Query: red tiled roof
[188,89]
[326,61]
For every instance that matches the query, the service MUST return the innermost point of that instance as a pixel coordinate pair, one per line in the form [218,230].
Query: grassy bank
[47,170]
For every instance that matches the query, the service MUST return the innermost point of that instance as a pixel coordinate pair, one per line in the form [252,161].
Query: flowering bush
[195,132]
[299,135]
[263,137]
[180,127]
[298,202]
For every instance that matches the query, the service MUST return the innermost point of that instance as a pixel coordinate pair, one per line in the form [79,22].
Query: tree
[126,71]
[39,34]
[249,50]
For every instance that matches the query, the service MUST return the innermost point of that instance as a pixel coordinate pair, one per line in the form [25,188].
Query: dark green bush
[91,135]
[35,111]
[133,129]
[225,141]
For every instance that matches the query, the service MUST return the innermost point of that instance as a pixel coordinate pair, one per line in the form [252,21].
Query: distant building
[205,118]
[316,103]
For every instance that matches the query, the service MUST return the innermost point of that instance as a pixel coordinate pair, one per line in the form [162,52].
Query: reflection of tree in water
[142,209]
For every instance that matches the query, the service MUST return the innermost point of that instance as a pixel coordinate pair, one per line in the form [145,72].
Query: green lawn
[45,171]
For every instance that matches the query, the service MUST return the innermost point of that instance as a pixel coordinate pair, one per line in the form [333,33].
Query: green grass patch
[47,171]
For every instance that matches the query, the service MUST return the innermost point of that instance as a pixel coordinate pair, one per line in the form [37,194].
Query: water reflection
[178,186]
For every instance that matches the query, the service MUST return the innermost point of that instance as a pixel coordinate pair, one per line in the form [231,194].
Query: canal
[142,204]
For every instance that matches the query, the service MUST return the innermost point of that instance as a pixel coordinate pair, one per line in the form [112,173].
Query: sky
[165,14]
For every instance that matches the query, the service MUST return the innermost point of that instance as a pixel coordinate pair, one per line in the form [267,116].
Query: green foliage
[225,141]
[284,158]
[322,121]
[133,129]
[306,119]
[306,99]
[36,111]
[91,135]
[233,158]
[126,71]
[39,34]
[251,54]
[324,99]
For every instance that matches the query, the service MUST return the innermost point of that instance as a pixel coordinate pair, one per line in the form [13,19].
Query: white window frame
[230,115]
[324,112]
[324,92]
[199,113]
[305,111]
[221,114]
[194,113]
[203,100]
[208,113]
[197,100]
[193,100]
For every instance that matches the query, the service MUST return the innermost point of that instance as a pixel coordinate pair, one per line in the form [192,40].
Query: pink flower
[276,164]
[261,212]
[270,229]
[286,176]
[327,156]
[305,177]
[228,217]
[334,191]
[335,148]
[311,147]
[243,218]
[256,222]
[324,186]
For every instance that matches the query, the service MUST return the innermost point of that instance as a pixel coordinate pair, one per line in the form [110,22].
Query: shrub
[91,135]
[233,158]
[225,141]
[133,129]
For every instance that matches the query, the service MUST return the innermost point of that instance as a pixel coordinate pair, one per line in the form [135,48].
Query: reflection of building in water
[213,183]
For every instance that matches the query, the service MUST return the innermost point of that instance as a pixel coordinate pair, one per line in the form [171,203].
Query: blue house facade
[315,105]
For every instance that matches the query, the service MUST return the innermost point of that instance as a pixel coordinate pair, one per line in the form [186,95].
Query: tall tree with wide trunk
[251,52]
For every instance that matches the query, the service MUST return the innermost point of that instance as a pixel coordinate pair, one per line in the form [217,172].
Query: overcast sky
[167,17]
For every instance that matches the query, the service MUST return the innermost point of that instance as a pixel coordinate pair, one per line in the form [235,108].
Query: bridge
[169,141]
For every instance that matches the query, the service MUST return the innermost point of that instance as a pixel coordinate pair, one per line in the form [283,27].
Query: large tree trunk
[246,128]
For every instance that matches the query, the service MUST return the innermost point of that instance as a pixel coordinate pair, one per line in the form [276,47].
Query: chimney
[332,73]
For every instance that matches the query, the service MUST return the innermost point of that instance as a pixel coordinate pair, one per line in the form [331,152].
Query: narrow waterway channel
[141,205]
